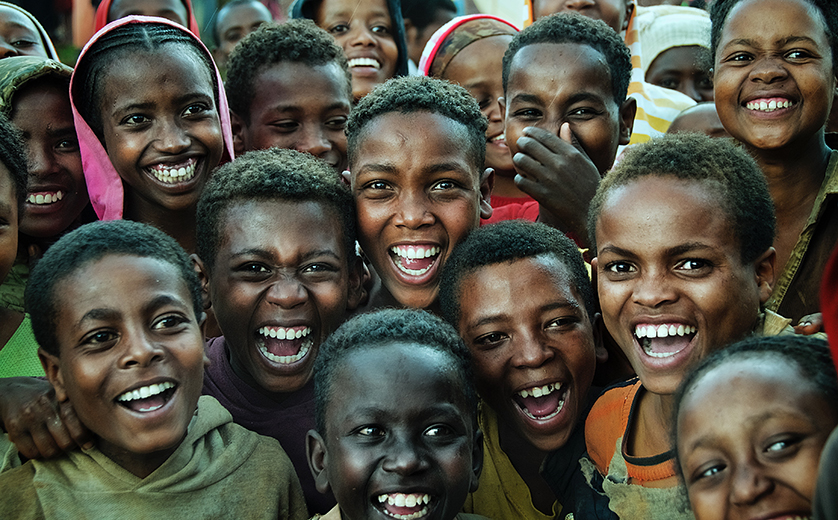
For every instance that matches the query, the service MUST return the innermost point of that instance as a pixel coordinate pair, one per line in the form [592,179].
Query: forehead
[352,9]
[120,8]
[298,84]
[750,20]
[12,17]
[241,15]
[479,57]
[132,73]
[558,70]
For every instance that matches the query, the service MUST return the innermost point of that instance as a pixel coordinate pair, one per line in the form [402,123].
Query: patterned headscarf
[17,71]
[455,36]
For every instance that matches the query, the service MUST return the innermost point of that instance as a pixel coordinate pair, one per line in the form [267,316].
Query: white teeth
[306,346]
[411,252]
[174,175]
[663,331]
[651,332]
[364,62]
[284,333]
[768,106]
[48,198]
[500,137]
[145,392]
[540,391]
[405,500]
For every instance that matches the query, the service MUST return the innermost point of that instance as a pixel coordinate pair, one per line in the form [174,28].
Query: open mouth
[768,104]
[414,260]
[285,345]
[45,197]
[174,173]
[499,139]
[662,341]
[403,506]
[541,403]
[364,62]
[147,398]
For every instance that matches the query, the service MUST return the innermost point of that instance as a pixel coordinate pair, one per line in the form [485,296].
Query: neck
[649,435]
[138,464]
[178,224]
[505,185]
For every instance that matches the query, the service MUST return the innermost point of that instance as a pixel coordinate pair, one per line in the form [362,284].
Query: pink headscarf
[103,182]
[445,44]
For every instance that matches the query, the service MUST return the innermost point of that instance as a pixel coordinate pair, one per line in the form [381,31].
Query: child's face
[679,68]
[770,53]
[669,260]
[532,344]
[479,68]
[753,449]
[18,35]
[174,10]
[418,193]
[236,22]
[550,84]
[279,286]
[365,31]
[397,428]
[161,127]
[131,366]
[56,193]
[615,13]
[8,222]
[298,106]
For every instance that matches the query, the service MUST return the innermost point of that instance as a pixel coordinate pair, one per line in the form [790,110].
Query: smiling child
[276,241]
[416,149]
[397,432]
[371,33]
[289,87]
[753,450]
[132,368]
[683,228]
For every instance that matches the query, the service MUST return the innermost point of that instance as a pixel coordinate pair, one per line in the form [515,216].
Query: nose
[361,35]
[494,114]
[531,350]
[652,290]
[8,50]
[313,140]
[578,5]
[404,456]
[768,69]
[172,138]
[749,484]
[287,292]
[41,160]
[140,350]
[413,211]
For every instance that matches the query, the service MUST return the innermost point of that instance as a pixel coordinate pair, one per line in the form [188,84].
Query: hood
[48,46]
[17,71]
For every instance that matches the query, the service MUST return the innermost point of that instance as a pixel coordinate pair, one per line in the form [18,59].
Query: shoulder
[18,497]
[607,421]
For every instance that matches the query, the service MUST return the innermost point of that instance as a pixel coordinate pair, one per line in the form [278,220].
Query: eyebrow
[501,317]
[782,42]
[680,249]
[584,96]
[526,98]
[297,108]
[255,251]
[145,105]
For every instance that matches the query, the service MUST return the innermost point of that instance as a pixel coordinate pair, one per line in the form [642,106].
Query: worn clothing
[797,287]
[220,470]
[19,356]
[11,290]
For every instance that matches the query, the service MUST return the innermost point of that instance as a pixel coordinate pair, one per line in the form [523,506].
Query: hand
[556,171]
[810,324]
[38,425]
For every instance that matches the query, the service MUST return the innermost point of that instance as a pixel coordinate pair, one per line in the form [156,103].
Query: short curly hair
[271,174]
[407,95]
[828,9]
[90,243]
[296,41]
[385,327]
[13,157]
[506,242]
[732,173]
[575,28]
[809,354]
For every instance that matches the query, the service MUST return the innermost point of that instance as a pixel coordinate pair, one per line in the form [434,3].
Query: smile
[404,506]
[662,341]
[541,403]
[173,174]
[768,105]
[45,197]
[147,398]
[285,345]
[414,260]
[364,62]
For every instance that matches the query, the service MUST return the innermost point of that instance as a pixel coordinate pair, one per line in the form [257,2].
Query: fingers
[79,434]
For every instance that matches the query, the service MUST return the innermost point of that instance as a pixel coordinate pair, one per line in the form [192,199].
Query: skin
[527,327]
[615,13]
[297,106]
[8,247]
[159,112]
[234,23]
[699,118]
[42,113]
[294,275]
[667,254]
[174,10]
[563,127]
[364,29]
[18,35]
[415,189]
[679,68]
[753,451]
[417,38]
[110,344]
[397,422]
[478,68]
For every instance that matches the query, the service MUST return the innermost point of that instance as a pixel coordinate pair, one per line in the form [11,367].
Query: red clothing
[525,211]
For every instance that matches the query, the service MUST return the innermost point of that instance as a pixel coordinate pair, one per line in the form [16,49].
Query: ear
[627,113]
[204,278]
[52,368]
[317,459]
[487,183]
[346,177]
[502,105]
[476,460]
[629,10]
[238,127]
[599,347]
[764,273]
[358,276]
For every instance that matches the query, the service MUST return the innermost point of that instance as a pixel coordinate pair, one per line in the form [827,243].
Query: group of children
[342,189]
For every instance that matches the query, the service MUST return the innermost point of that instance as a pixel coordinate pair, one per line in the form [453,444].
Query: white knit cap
[662,27]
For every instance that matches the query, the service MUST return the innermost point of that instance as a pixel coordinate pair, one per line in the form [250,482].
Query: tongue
[283,347]
[149,403]
[416,264]
[666,345]
[403,510]
[541,406]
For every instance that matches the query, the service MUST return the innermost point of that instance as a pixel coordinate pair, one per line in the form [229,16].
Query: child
[562,142]
[778,109]
[289,87]
[233,22]
[422,18]
[469,51]
[131,364]
[178,11]
[416,149]
[520,297]
[276,246]
[753,449]
[371,33]
[396,411]
[152,122]
[701,118]
[683,228]
[21,34]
